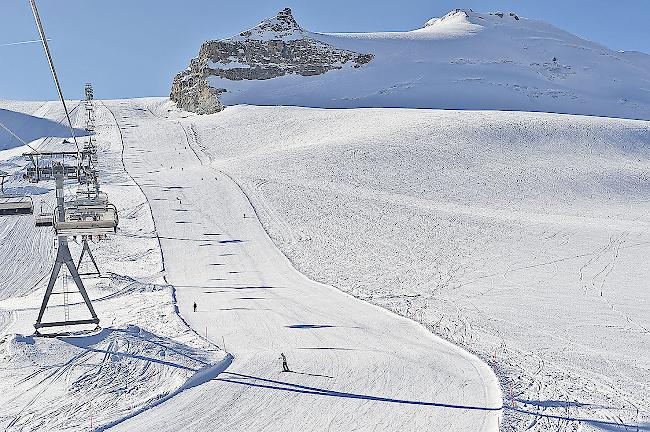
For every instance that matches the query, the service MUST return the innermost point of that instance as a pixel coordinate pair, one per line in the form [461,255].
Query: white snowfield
[189,234]
[522,237]
[464,60]
[354,366]
[420,269]
[29,120]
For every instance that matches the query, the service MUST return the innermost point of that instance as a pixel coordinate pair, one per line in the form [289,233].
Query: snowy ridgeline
[522,237]
[464,60]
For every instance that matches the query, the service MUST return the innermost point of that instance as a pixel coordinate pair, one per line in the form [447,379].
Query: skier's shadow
[310,374]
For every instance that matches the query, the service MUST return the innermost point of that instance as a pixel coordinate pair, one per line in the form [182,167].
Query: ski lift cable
[21,42]
[41,32]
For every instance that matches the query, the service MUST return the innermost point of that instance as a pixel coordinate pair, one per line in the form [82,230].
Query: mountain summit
[274,48]
[463,60]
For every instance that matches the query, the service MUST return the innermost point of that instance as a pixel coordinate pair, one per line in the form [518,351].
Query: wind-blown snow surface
[355,366]
[465,60]
[28,120]
[522,237]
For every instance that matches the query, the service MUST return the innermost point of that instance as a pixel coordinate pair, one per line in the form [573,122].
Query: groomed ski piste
[192,191]
[420,269]
[189,234]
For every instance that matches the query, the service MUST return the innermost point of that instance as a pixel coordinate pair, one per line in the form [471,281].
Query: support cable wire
[37,18]
[17,137]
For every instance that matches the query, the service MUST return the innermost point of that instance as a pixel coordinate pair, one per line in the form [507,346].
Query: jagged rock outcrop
[275,47]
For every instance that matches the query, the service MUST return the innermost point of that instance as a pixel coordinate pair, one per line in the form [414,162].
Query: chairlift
[42,162]
[63,256]
[86,216]
[13,204]
[43,218]
[88,90]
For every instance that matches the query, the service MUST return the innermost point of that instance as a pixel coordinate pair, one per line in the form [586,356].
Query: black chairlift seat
[15,204]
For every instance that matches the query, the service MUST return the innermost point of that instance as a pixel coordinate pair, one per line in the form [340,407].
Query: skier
[194,306]
[285,367]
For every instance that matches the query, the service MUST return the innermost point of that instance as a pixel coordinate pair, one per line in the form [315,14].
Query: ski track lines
[355,366]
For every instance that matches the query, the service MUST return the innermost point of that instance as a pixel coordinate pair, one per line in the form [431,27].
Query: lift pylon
[64,257]
[86,250]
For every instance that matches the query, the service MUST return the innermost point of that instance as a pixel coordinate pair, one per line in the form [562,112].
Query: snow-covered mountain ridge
[464,60]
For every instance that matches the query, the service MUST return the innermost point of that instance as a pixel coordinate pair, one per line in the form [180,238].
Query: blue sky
[131,48]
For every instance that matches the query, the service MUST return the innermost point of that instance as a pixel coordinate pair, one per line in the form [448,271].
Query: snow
[522,237]
[465,60]
[183,238]
[421,269]
[31,127]
[496,230]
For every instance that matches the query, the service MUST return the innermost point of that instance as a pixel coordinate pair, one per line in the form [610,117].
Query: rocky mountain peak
[274,48]
[283,26]
[283,21]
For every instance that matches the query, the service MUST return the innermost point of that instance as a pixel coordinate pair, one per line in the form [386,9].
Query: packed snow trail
[354,366]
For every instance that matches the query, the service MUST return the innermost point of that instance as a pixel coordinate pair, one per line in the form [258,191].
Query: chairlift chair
[43,161]
[16,204]
[13,204]
[86,217]
[43,218]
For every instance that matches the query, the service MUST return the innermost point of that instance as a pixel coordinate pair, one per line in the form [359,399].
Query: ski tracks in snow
[358,367]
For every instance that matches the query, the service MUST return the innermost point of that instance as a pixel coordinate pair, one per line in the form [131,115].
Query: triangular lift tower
[85,250]
[60,171]
[89,215]
[63,257]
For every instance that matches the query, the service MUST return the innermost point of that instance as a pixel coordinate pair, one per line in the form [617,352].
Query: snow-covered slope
[464,60]
[188,234]
[523,237]
[145,353]
[30,127]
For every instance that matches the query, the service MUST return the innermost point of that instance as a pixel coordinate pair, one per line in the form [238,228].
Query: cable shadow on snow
[310,374]
[329,349]
[235,378]
[309,326]
[228,287]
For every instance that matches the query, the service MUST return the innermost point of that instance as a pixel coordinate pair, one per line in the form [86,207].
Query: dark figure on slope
[194,306]
[285,367]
